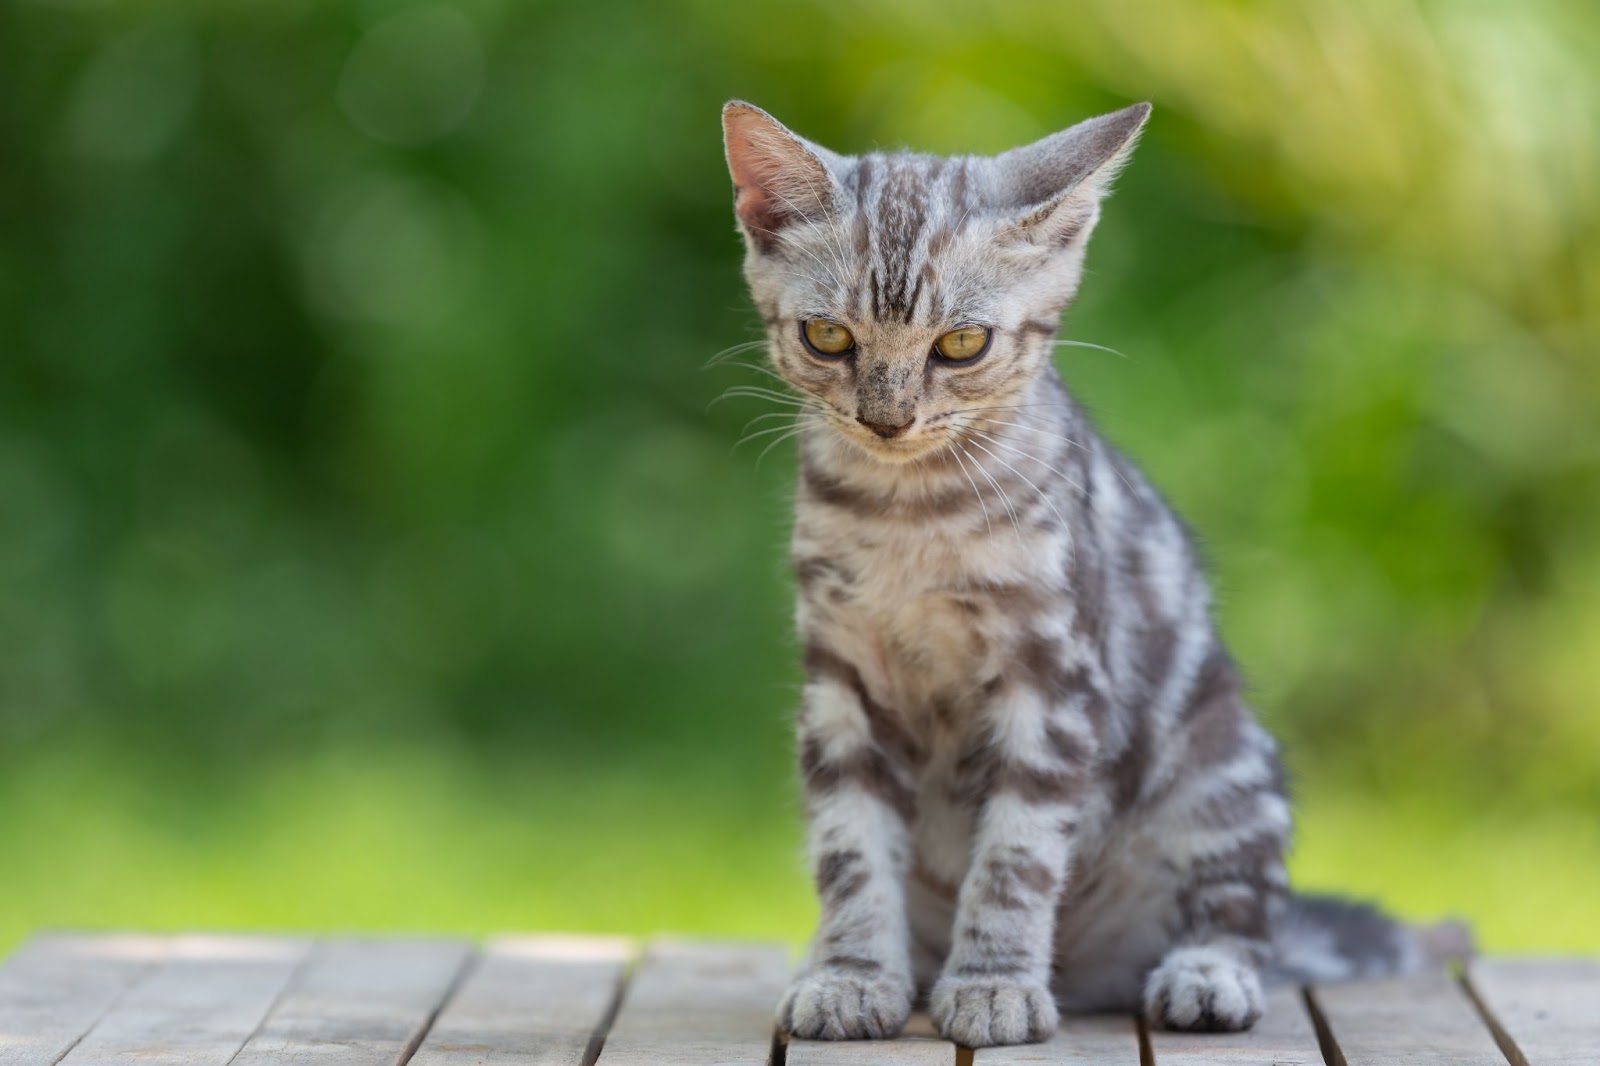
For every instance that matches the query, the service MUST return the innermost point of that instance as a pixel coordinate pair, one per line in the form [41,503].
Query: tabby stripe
[833,492]
[884,724]
[867,768]
[840,875]
[911,304]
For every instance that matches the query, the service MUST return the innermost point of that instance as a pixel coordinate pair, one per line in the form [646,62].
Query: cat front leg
[1026,782]
[857,981]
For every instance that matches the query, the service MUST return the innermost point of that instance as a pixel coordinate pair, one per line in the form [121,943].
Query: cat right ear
[1056,184]
[779,179]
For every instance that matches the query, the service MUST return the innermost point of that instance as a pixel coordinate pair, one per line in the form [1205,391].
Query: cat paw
[833,1004]
[1203,989]
[985,1011]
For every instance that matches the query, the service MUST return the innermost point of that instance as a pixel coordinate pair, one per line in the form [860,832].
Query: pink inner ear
[776,180]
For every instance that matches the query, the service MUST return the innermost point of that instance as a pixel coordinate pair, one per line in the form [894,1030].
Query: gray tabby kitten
[1031,777]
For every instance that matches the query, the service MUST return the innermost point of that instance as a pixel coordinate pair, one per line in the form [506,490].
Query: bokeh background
[369,557]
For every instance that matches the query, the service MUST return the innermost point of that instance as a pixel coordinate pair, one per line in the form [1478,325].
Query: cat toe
[1204,990]
[986,1011]
[826,1004]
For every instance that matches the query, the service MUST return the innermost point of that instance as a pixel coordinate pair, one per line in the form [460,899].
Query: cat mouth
[904,447]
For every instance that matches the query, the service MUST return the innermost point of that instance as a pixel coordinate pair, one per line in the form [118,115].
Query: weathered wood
[547,1001]
[1284,1036]
[918,1046]
[529,1001]
[1550,1008]
[358,1002]
[198,1007]
[699,1003]
[1102,1039]
[1417,1021]
[55,988]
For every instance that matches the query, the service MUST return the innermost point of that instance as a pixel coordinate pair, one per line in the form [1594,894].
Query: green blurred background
[369,557]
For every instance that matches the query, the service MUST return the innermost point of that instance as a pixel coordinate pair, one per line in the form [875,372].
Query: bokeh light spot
[134,97]
[394,250]
[413,77]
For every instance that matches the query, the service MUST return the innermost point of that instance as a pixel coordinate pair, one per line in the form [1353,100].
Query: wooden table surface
[227,1000]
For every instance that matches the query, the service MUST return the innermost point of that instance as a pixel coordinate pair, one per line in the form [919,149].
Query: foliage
[356,466]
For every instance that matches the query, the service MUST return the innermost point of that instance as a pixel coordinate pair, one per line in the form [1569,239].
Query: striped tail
[1324,938]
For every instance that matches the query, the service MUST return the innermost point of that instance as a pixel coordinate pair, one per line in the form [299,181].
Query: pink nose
[887,431]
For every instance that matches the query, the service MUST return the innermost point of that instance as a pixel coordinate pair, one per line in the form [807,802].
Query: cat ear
[779,179]
[1056,184]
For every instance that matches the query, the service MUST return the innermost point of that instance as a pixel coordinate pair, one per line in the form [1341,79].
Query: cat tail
[1324,938]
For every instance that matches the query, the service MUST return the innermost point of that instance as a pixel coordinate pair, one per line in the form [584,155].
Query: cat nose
[887,431]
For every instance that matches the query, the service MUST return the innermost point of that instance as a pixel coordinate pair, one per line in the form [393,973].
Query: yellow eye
[961,345]
[826,338]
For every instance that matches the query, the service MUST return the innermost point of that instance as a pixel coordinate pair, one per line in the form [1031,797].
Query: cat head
[902,290]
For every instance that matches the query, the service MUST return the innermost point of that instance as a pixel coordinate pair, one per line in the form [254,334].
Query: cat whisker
[729,352]
[956,451]
[824,282]
[1032,458]
[1072,548]
[1043,432]
[795,432]
[768,371]
[823,266]
[758,434]
[762,418]
[1069,440]
[782,239]
[1004,497]
[784,431]
[1086,344]
[757,392]
[1000,407]
[833,249]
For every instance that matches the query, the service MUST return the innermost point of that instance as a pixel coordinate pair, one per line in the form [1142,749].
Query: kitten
[1030,774]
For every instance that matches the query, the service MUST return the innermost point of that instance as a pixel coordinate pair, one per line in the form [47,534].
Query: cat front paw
[1203,989]
[985,1011]
[830,1003]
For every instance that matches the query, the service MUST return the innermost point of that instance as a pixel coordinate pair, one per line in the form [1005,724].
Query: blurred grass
[369,557]
[389,840]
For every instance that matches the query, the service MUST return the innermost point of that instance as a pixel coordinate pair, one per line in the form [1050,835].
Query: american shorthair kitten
[1031,776]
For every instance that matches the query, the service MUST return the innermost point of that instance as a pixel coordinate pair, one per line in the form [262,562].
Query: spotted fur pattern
[1031,777]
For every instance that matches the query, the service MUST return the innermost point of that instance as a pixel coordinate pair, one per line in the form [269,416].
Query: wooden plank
[198,1008]
[54,989]
[529,1001]
[1550,1008]
[920,1045]
[699,1003]
[358,1002]
[1108,1039]
[1414,1021]
[1284,1036]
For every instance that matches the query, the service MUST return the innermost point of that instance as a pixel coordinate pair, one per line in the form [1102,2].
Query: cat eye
[827,339]
[963,345]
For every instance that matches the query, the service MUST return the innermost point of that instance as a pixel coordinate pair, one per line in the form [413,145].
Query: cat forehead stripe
[907,209]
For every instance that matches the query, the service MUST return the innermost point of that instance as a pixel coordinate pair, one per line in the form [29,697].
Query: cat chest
[919,621]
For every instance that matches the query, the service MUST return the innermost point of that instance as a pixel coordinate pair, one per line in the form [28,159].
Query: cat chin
[890,452]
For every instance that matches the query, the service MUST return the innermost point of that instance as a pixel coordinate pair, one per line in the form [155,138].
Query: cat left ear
[1056,184]
[779,178]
